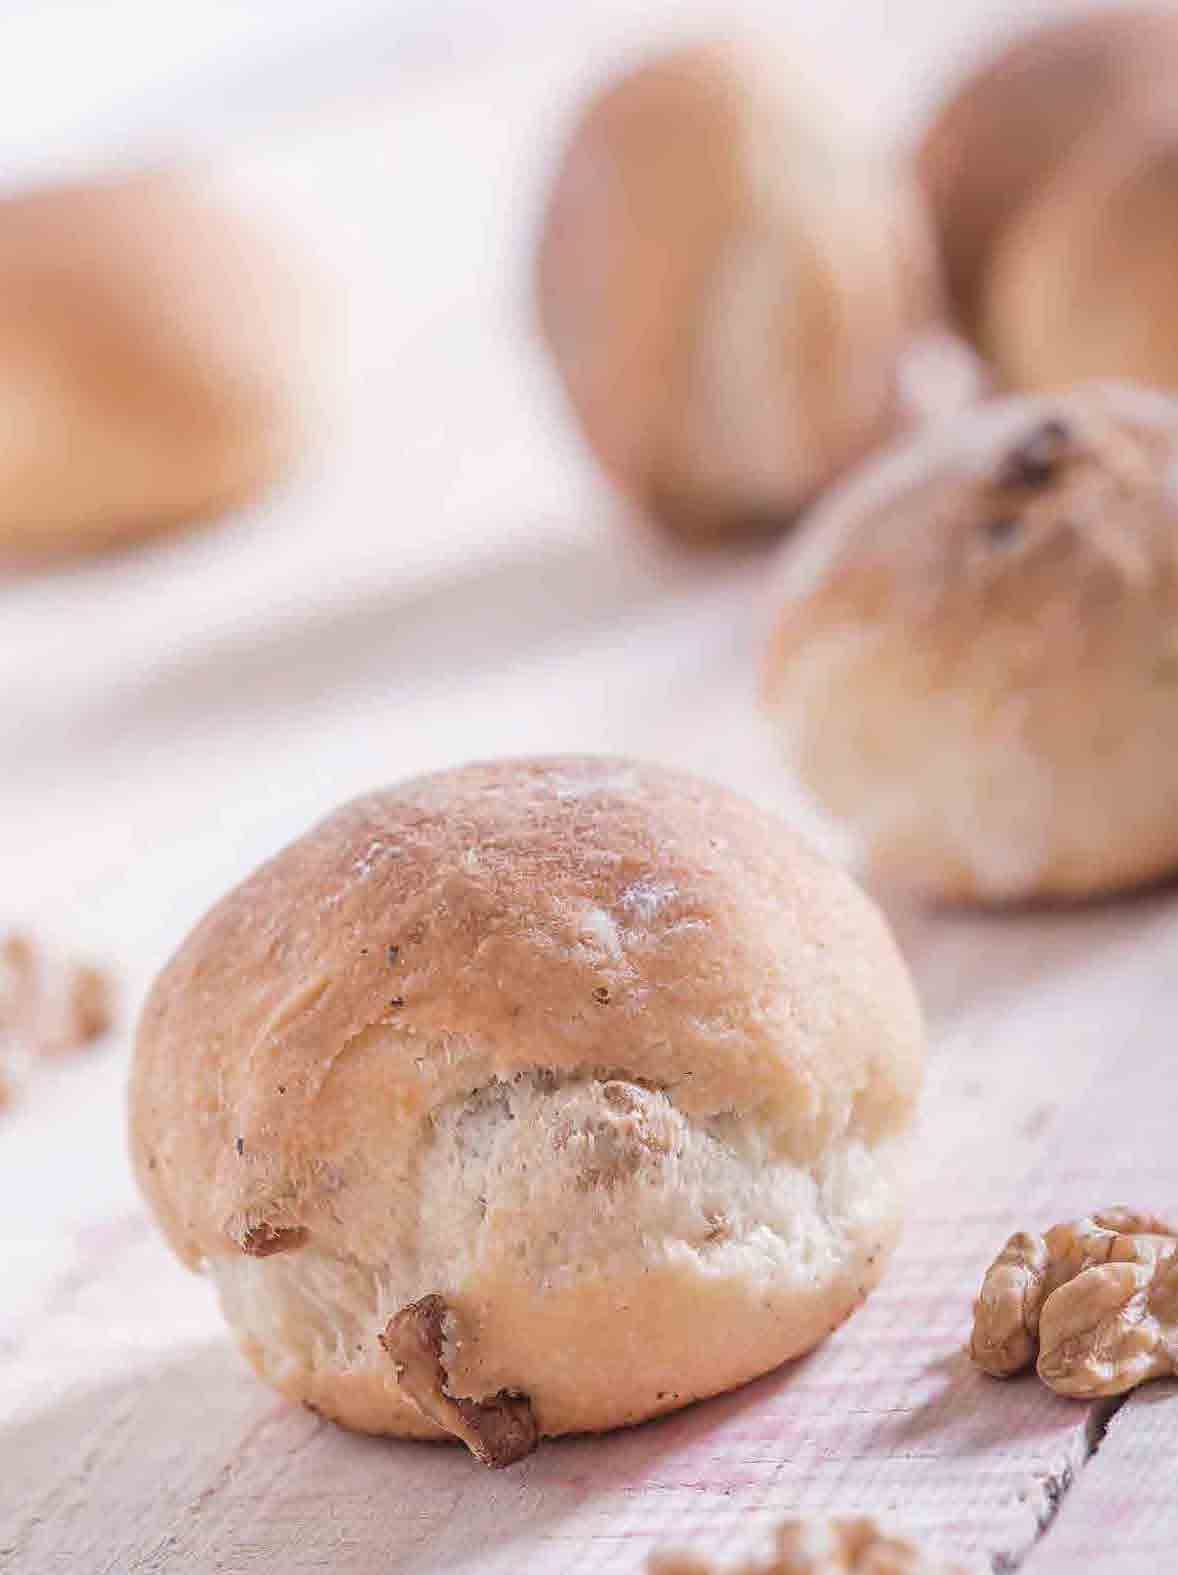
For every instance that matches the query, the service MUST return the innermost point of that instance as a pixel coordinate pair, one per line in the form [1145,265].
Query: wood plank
[1120,1516]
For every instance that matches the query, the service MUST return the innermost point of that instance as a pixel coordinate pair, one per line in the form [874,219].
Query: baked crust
[598,1052]
[974,666]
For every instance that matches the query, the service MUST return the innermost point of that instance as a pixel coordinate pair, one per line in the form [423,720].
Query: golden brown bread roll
[150,348]
[1016,119]
[529,1098]
[975,666]
[1081,284]
[726,280]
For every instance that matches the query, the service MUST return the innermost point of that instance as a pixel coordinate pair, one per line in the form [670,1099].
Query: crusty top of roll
[1034,523]
[975,655]
[563,913]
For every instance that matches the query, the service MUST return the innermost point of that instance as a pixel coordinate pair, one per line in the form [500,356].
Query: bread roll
[726,280]
[1082,281]
[149,362]
[975,665]
[530,1098]
[1015,120]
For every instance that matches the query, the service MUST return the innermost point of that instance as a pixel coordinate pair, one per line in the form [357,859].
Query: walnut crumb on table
[821,1547]
[1093,1303]
[50,1005]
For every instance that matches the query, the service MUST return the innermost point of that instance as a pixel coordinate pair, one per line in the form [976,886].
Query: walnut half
[1096,1300]
[498,1431]
[821,1547]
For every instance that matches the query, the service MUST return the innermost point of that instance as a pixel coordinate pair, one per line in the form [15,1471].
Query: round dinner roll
[726,278]
[150,350]
[1017,118]
[975,665]
[530,1098]
[1082,281]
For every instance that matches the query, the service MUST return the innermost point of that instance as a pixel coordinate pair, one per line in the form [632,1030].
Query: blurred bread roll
[151,350]
[1013,121]
[975,666]
[1082,282]
[726,279]
[528,1098]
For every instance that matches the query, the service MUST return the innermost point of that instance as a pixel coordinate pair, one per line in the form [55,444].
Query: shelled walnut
[1095,1300]
[497,1431]
[50,1004]
[820,1547]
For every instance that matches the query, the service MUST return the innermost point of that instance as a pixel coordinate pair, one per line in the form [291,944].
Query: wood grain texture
[1119,1516]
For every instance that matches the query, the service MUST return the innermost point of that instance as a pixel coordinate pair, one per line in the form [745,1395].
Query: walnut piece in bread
[975,664]
[534,1097]
[1095,1300]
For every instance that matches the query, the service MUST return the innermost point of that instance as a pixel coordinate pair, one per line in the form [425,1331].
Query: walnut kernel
[820,1547]
[1095,1301]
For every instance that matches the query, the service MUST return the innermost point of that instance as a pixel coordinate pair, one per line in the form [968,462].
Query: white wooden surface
[449,579]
